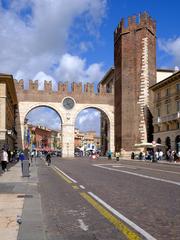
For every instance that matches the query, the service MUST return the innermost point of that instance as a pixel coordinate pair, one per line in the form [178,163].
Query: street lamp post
[154,145]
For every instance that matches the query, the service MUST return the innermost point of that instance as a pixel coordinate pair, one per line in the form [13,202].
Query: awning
[149,145]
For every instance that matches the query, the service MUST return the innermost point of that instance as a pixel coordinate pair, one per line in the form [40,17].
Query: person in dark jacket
[48,158]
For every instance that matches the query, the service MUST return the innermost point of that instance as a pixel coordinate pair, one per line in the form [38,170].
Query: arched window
[168,143]
[158,141]
[177,143]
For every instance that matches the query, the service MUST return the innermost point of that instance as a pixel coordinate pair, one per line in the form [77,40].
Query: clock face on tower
[68,103]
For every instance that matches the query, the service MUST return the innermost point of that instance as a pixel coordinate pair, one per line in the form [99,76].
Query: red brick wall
[128,68]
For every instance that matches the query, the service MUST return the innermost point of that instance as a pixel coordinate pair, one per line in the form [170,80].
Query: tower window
[178,106]
[158,96]
[167,108]
[167,92]
[178,86]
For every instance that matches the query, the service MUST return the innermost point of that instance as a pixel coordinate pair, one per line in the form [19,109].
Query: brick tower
[135,71]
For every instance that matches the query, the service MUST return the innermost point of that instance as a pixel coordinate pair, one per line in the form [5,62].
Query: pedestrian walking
[140,156]
[21,158]
[175,157]
[4,160]
[157,155]
[132,155]
[109,153]
[48,159]
[160,155]
[117,156]
[32,155]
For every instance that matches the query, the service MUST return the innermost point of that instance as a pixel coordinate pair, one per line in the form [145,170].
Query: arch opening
[92,132]
[158,141]
[168,143]
[177,144]
[42,130]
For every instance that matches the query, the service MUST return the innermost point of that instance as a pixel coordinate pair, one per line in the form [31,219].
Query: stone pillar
[2,114]
[20,130]
[67,140]
[111,137]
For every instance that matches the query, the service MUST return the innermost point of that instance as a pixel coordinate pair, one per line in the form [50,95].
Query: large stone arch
[108,111]
[68,118]
[23,109]
[31,98]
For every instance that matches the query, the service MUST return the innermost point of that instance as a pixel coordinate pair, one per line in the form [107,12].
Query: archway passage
[168,143]
[158,141]
[92,132]
[82,96]
[42,130]
[177,144]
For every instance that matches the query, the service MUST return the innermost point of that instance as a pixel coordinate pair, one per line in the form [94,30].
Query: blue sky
[72,40]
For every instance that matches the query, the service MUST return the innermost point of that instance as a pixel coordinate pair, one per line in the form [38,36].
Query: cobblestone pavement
[144,197]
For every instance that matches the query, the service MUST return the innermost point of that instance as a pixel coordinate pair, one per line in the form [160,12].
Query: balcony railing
[168,118]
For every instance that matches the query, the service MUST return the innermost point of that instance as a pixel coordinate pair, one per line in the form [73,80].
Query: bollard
[19,219]
[25,168]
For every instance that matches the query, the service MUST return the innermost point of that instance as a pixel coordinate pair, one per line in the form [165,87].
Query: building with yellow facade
[8,106]
[166,112]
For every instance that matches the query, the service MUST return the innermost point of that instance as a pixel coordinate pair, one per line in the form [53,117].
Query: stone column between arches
[67,140]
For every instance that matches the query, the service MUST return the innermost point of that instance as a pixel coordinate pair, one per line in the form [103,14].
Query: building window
[158,112]
[108,88]
[178,125]
[178,86]
[167,108]
[178,106]
[167,127]
[167,92]
[158,96]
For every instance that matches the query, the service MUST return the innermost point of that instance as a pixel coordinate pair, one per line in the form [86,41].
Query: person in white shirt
[4,160]
[160,155]
[157,155]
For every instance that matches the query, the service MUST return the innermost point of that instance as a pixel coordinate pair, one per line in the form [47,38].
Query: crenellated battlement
[135,22]
[76,87]
[19,84]
[63,88]
[33,85]
[89,88]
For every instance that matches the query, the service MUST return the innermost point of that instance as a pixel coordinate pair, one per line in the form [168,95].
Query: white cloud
[73,68]
[34,36]
[37,37]
[41,77]
[85,46]
[89,119]
[172,47]
[44,116]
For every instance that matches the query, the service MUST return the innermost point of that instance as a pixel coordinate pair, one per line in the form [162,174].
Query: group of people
[172,155]
[156,155]
[7,156]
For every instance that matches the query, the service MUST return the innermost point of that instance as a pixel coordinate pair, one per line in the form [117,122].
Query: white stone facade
[144,90]
[68,118]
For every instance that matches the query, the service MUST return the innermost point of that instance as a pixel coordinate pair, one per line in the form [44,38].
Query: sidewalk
[19,196]
[158,162]
[138,160]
